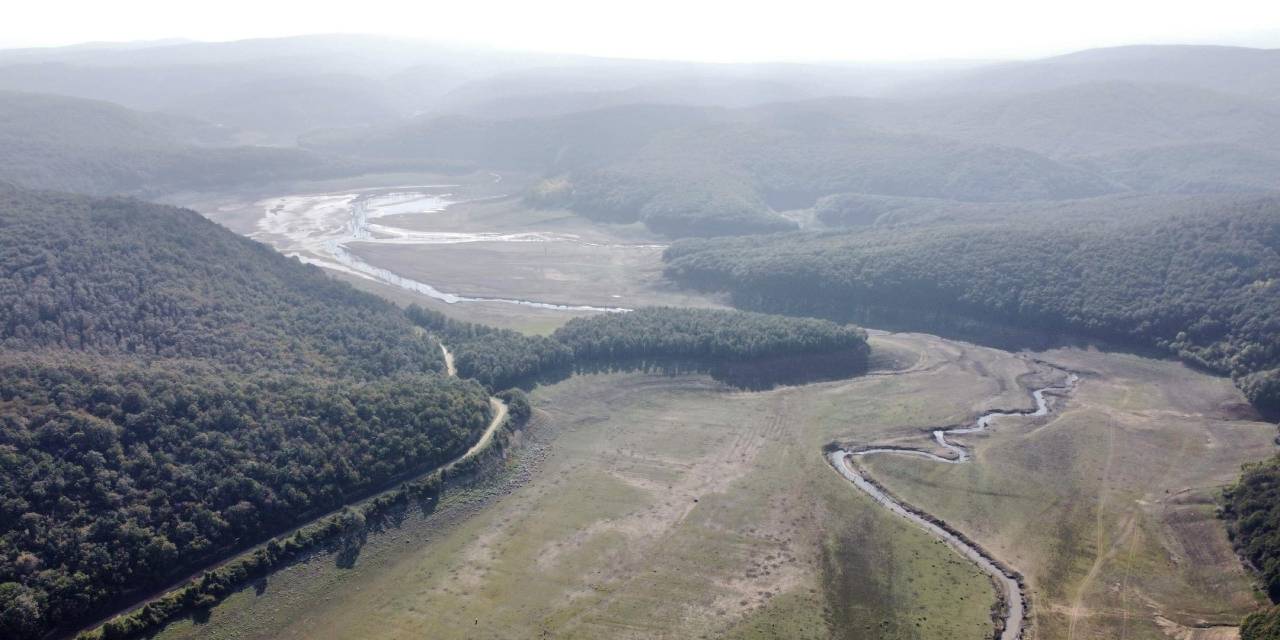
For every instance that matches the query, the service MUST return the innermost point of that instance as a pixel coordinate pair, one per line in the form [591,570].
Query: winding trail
[499,414]
[1013,592]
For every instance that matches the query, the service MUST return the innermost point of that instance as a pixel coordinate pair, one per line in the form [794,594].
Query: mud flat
[317,229]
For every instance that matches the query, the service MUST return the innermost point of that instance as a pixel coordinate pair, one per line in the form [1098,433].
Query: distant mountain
[1109,116]
[670,142]
[287,106]
[712,171]
[277,88]
[95,147]
[610,83]
[1140,136]
[57,120]
[1239,70]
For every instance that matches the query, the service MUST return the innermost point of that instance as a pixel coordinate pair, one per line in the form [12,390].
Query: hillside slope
[172,392]
[88,146]
[689,171]
[1200,283]
[1240,70]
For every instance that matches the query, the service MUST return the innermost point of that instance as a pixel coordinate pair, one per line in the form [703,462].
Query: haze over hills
[660,241]
[1239,70]
[97,147]
[368,80]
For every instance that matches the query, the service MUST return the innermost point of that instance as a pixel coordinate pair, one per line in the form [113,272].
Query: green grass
[1090,504]
[670,507]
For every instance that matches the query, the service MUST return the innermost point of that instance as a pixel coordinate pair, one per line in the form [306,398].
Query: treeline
[709,334]
[171,392]
[497,358]
[1251,508]
[703,339]
[1203,287]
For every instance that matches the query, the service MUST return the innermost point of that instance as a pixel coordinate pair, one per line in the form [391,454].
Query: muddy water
[1014,595]
[317,228]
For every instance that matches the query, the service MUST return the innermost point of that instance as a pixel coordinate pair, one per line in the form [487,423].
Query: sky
[703,30]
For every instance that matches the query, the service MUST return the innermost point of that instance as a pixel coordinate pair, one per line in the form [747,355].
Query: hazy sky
[711,30]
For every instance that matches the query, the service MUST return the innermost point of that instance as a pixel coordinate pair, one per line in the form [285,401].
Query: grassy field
[1108,507]
[646,507]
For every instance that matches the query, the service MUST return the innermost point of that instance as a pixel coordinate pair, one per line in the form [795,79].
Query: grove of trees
[703,339]
[1204,287]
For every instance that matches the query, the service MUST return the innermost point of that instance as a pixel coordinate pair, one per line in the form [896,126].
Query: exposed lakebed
[320,229]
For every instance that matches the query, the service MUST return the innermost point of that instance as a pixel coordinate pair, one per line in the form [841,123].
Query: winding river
[1013,591]
[318,228]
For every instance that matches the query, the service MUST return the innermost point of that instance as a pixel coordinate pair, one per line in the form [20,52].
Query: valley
[643,506]
[360,336]
[650,506]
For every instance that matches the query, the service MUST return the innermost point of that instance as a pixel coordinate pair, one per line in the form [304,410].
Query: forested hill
[87,146]
[123,277]
[171,392]
[1205,287]
[687,171]
[746,349]
[712,334]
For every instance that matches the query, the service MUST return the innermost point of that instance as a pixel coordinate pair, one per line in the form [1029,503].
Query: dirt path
[449,367]
[499,413]
[1013,592]
[1077,602]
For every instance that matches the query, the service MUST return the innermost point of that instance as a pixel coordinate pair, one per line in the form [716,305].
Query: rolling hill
[1195,278]
[95,147]
[714,171]
[1239,70]
[172,392]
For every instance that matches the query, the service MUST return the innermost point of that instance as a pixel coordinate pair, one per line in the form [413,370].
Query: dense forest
[1203,287]
[1252,511]
[497,358]
[122,277]
[709,334]
[171,392]
[117,478]
[704,339]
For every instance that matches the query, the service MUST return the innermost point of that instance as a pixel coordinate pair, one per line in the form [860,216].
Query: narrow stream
[1013,593]
[316,229]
